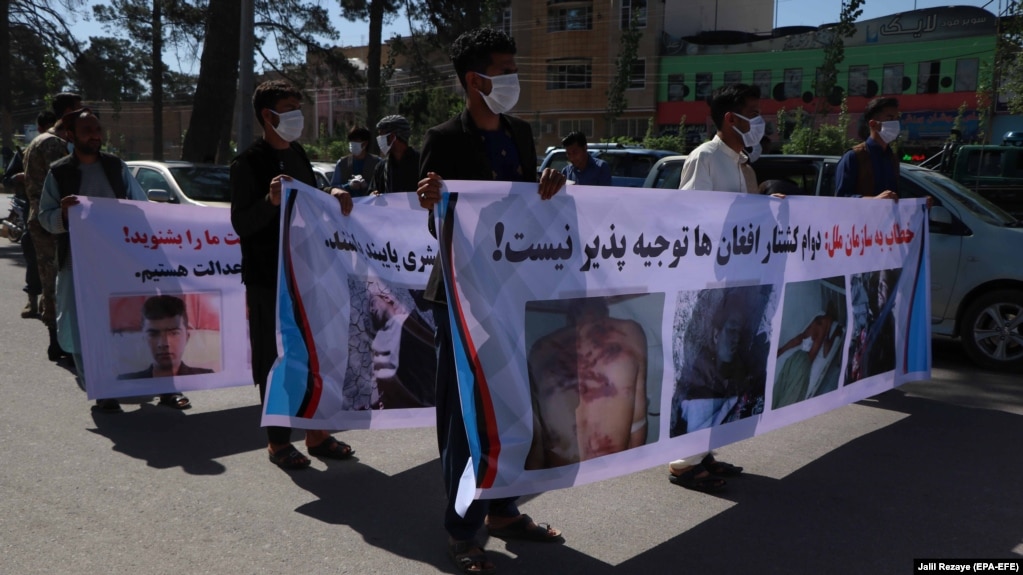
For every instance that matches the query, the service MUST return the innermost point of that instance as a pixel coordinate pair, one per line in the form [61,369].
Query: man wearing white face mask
[721,165]
[398,170]
[871,169]
[257,178]
[354,171]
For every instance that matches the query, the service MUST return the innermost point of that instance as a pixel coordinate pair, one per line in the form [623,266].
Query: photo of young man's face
[167,338]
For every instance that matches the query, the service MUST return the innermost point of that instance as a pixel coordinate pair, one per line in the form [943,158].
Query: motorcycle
[14,226]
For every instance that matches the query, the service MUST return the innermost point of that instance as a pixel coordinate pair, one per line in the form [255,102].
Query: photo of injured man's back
[810,344]
[594,373]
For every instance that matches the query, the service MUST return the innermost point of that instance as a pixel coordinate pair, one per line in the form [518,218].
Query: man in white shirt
[721,165]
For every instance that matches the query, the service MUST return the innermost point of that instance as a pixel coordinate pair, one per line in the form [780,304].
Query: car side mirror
[162,196]
[940,217]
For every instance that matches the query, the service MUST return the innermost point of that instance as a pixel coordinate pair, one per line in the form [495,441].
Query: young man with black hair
[96,174]
[871,169]
[582,168]
[354,172]
[257,177]
[166,331]
[721,164]
[481,143]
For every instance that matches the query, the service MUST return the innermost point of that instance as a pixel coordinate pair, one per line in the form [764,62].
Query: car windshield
[204,183]
[980,206]
[669,175]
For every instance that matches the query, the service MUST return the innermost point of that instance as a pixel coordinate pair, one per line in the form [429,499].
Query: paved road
[931,469]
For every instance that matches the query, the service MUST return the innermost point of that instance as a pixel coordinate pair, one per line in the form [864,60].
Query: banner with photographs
[606,330]
[356,337]
[161,306]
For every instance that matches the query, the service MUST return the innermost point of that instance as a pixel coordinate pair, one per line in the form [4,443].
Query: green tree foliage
[834,54]
[427,107]
[49,22]
[110,69]
[826,139]
[1008,60]
[628,50]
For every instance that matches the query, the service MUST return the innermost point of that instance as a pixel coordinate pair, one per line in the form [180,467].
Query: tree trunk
[218,83]
[5,73]
[373,91]
[156,82]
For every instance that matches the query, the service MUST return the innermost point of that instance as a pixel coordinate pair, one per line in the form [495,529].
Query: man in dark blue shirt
[583,168]
[871,169]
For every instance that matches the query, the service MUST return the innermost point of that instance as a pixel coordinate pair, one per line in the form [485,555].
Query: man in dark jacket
[398,171]
[256,180]
[481,143]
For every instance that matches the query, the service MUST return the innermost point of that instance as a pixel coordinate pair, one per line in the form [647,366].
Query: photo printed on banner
[594,376]
[872,347]
[721,339]
[392,361]
[814,321]
[166,335]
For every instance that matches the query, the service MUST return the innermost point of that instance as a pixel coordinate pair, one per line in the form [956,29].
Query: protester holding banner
[871,169]
[481,143]
[721,165]
[86,172]
[258,176]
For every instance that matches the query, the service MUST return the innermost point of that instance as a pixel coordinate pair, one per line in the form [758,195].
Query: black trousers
[262,304]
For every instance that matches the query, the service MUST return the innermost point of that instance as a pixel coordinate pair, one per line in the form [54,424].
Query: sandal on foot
[289,458]
[690,480]
[174,400]
[108,406]
[469,557]
[720,468]
[331,448]
[524,528]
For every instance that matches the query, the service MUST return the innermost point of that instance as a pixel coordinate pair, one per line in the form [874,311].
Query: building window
[634,128]
[733,77]
[858,80]
[793,83]
[637,78]
[574,18]
[505,21]
[966,75]
[569,75]
[566,127]
[704,85]
[762,80]
[677,90]
[633,9]
[892,79]
[927,76]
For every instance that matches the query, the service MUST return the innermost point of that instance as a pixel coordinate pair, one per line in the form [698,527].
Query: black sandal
[689,480]
[331,448]
[289,458]
[175,401]
[720,468]
[470,558]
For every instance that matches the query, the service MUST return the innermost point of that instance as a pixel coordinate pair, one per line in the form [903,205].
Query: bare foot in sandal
[470,558]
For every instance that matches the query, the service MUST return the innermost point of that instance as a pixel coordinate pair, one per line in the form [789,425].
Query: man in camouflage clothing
[45,149]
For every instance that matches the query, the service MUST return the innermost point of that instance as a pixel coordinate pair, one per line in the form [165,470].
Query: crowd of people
[483,142]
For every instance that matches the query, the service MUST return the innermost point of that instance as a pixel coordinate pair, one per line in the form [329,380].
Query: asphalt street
[931,469]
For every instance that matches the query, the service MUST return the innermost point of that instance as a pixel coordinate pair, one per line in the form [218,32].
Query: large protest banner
[610,330]
[175,265]
[356,338]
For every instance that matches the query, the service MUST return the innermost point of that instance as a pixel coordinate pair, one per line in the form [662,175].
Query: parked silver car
[976,276]
[184,182]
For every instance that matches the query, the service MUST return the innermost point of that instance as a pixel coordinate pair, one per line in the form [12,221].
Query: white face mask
[890,130]
[754,153]
[384,145]
[755,133]
[504,92]
[355,148]
[289,128]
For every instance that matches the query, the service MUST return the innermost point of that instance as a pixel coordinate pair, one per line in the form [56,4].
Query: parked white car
[184,182]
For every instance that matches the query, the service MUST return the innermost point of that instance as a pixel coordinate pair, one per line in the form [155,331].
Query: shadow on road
[166,438]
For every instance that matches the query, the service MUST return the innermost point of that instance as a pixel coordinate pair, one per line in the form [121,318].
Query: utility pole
[246,75]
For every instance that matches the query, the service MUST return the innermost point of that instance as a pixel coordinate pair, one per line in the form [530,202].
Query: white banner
[610,330]
[356,338]
[158,289]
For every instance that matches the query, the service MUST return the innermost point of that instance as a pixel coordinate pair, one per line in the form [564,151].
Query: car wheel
[992,330]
